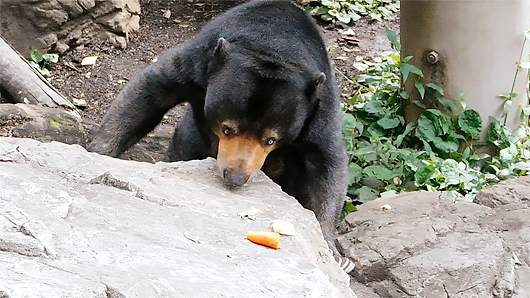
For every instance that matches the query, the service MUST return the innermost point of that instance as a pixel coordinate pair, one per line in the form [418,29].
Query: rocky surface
[51,124]
[76,224]
[43,124]
[426,246]
[58,25]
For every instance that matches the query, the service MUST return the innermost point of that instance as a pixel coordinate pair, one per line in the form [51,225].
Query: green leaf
[403,94]
[384,12]
[379,172]
[375,107]
[375,16]
[442,121]
[355,173]
[420,88]
[366,194]
[408,68]
[388,123]
[354,17]
[426,145]
[349,121]
[322,10]
[36,56]
[423,174]
[391,35]
[358,8]
[400,138]
[426,128]
[448,104]
[496,134]
[466,153]
[506,107]
[522,166]
[327,3]
[419,104]
[462,100]
[34,65]
[360,66]
[436,88]
[344,18]
[508,154]
[44,71]
[449,145]
[507,95]
[349,207]
[53,58]
[311,10]
[470,123]
[457,136]
[525,113]
[406,59]
[326,17]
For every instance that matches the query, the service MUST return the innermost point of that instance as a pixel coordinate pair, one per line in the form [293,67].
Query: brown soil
[99,84]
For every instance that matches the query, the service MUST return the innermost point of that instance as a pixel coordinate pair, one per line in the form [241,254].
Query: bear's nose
[234,178]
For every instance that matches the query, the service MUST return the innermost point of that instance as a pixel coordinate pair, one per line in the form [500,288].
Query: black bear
[261,94]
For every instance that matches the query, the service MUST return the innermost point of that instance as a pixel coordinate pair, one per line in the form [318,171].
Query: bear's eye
[270,141]
[226,130]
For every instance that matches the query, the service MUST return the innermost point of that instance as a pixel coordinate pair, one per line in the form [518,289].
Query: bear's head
[255,104]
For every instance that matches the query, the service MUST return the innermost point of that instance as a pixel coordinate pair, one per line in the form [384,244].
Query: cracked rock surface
[77,224]
[426,246]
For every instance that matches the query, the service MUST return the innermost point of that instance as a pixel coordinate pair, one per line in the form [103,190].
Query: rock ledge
[76,224]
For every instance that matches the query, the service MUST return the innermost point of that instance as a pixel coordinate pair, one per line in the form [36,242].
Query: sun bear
[261,94]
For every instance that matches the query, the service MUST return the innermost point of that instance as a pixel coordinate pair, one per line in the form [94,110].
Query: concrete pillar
[478,43]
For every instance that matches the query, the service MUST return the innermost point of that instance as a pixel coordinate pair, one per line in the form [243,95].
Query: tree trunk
[24,84]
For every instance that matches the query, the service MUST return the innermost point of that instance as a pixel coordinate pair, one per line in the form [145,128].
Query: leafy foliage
[347,11]
[438,151]
[41,61]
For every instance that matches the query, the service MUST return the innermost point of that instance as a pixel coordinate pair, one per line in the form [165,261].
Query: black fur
[263,65]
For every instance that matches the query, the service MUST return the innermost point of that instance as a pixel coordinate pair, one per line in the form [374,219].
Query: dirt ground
[99,84]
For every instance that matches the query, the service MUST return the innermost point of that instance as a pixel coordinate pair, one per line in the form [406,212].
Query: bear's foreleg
[140,106]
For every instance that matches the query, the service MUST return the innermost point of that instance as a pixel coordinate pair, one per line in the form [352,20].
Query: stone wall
[58,25]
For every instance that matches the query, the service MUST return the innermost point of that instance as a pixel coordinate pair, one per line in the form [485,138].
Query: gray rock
[28,24]
[72,7]
[117,21]
[77,224]
[426,246]
[42,123]
[50,124]
[61,47]
[88,4]
[46,41]
[512,194]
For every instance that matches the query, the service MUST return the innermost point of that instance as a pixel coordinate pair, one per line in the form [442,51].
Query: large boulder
[51,124]
[425,246]
[57,25]
[77,224]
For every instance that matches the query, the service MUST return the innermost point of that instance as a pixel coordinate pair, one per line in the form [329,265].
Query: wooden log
[24,84]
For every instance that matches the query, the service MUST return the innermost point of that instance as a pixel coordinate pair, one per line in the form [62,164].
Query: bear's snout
[234,178]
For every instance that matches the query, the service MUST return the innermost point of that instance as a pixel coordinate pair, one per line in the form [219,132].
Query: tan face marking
[242,153]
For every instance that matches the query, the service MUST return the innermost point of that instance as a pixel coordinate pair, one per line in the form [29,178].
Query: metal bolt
[433,57]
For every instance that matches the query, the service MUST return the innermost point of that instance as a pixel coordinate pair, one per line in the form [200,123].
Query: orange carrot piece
[270,239]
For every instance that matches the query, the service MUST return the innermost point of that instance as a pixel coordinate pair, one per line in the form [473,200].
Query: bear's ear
[221,50]
[314,87]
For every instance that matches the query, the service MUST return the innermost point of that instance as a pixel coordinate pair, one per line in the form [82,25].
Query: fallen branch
[24,84]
